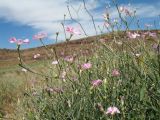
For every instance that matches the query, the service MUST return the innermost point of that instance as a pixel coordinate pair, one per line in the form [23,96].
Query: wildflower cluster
[118,79]
[19,41]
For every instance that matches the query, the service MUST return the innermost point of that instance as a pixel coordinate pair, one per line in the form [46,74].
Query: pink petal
[13,40]
[86,65]
[26,41]
[54,62]
[40,35]
[96,83]
[19,42]
[72,30]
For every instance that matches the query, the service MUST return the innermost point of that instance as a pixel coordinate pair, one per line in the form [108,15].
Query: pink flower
[40,36]
[133,35]
[121,9]
[115,73]
[125,10]
[26,41]
[18,41]
[73,31]
[153,35]
[13,40]
[112,110]
[36,56]
[24,70]
[54,62]
[149,34]
[69,58]
[86,66]
[107,24]
[96,83]
[63,75]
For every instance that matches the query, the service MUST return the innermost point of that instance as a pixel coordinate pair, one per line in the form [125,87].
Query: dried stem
[76,21]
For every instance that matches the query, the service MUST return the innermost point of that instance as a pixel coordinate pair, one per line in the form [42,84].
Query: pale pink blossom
[133,35]
[107,24]
[86,66]
[36,56]
[73,31]
[69,58]
[54,62]
[13,40]
[153,35]
[150,34]
[18,41]
[24,70]
[40,36]
[96,83]
[115,73]
[26,41]
[112,110]
[63,75]
[123,9]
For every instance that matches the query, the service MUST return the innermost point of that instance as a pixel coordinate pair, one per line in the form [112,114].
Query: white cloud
[46,15]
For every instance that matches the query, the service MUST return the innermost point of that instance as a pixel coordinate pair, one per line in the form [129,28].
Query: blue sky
[24,18]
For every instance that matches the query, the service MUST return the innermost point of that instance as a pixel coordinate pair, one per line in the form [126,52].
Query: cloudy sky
[24,18]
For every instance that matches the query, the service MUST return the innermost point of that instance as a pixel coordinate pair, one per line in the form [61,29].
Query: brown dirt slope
[10,57]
